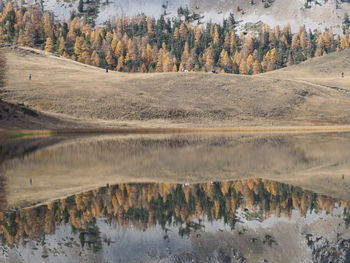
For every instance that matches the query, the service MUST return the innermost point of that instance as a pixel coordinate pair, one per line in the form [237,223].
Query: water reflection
[168,221]
[62,166]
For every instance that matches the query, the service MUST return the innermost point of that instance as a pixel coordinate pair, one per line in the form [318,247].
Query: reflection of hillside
[14,149]
[20,148]
[3,201]
[314,162]
[147,205]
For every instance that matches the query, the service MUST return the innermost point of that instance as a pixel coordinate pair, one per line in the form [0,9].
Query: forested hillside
[146,44]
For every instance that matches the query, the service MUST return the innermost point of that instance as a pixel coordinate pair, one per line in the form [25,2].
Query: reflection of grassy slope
[11,149]
[315,162]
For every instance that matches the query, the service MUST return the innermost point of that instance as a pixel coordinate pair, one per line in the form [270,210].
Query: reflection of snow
[128,243]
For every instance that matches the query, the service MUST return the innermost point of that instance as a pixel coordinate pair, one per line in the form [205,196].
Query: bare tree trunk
[1,3]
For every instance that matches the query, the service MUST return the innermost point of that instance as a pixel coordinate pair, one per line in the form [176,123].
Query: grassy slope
[295,96]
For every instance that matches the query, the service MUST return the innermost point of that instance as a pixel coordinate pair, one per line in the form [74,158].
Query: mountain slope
[62,86]
[269,12]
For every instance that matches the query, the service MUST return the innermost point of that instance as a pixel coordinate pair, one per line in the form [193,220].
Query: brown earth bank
[67,94]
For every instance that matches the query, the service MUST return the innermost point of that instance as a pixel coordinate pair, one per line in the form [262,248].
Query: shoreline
[46,201]
[15,134]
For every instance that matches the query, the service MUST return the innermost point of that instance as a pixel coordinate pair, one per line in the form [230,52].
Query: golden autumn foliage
[147,44]
[146,205]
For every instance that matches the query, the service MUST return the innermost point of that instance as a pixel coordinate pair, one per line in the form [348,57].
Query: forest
[184,43]
[147,205]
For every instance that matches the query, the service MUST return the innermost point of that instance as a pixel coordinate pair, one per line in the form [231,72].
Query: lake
[176,198]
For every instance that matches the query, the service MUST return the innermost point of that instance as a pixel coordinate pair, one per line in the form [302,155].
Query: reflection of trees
[3,199]
[147,205]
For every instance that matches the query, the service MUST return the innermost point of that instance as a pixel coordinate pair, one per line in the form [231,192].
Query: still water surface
[176,198]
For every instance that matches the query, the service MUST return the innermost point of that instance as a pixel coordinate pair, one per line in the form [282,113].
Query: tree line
[146,44]
[147,205]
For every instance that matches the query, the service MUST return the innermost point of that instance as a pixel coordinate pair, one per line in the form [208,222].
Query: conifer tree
[110,58]
[62,46]
[95,59]
[256,67]
[243,67]
[48,45]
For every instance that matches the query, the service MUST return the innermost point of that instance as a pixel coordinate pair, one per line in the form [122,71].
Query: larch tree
[183,30]
[208,58]
[95,59]
[49,45]
[327,40]
[243,67]
[216,37]
[48,22]
[28,36]
[120,63]
[197,35]
[115,41]
[119,49]
[62,46]
[225,62]
[257,67]
[110,58]
[186,56]
[344,42]
[250,61]
[295,42]
[175,69]
[78,46]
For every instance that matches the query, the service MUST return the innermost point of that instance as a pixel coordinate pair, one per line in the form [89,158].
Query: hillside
[74,91]
[268,12]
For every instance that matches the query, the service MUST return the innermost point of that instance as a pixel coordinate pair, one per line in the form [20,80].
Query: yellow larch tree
[95,59]
[119,49]
[186,56]
[120,63]
[243,67]
[216,37]
[344,42]
[295,42]
[78,46]
[208,58]
[115,41]
[110,58]
[250,61]
[256,67]
[62,46]
[197,35]
[48,45]
[183,30]
[225,61]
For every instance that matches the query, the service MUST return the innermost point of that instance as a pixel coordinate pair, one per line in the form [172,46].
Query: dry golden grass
[70,95]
